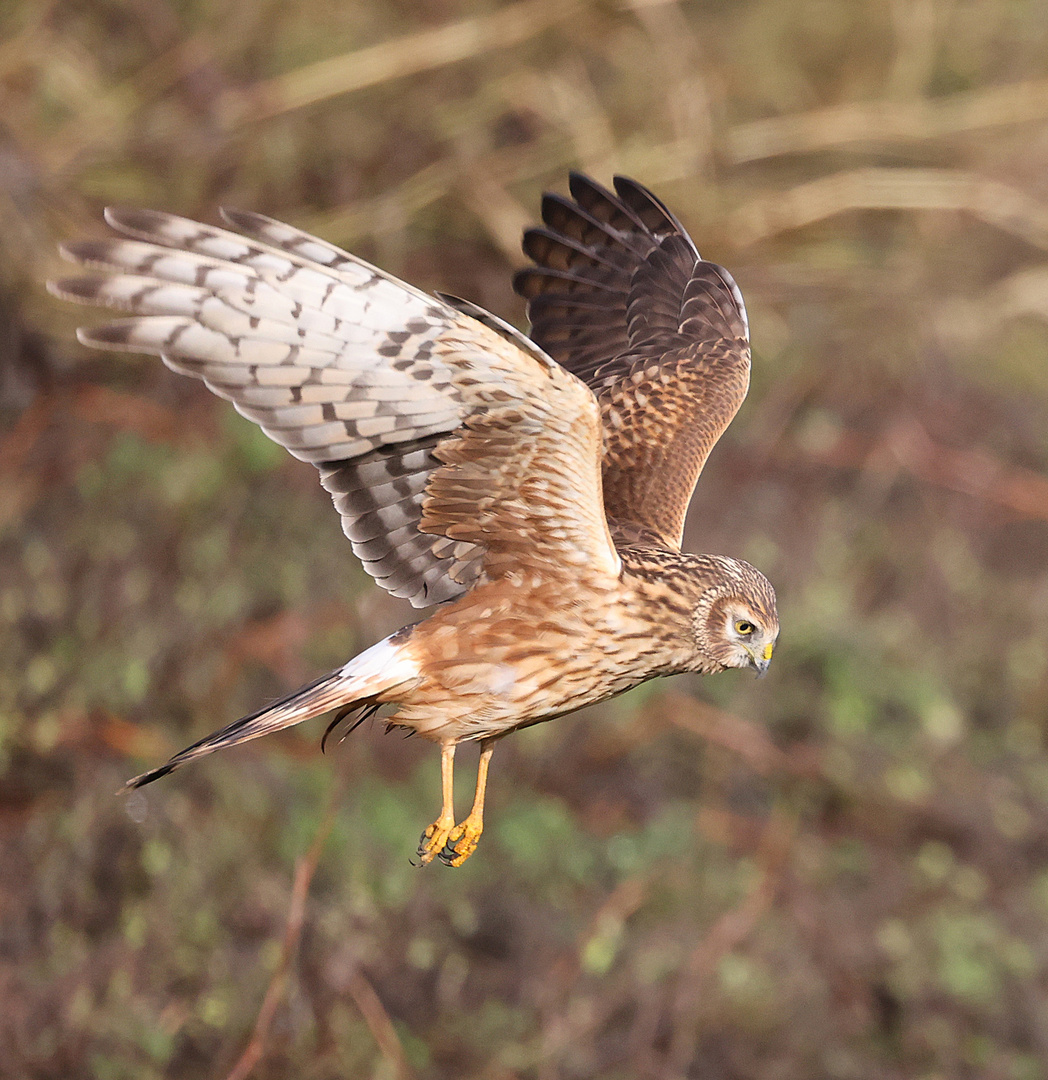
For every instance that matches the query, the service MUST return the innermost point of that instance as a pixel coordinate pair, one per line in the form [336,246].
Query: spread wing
[454,449]
[620,297]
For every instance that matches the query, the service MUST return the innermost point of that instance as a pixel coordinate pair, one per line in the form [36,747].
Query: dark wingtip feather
[580,184]
[135,220]
[535,281]
[113,335]
[81,289]
[239,219]
[650,208]
[63,288]
[554,204]
[148,777]
[629,190]
[86,252]
[521,281]
[247,221]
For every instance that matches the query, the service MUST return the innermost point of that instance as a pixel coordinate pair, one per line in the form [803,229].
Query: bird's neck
[668,586]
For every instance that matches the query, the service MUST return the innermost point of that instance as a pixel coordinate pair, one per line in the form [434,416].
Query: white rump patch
[381,667]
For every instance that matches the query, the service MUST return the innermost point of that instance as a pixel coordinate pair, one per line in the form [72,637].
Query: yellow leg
[462,840]
[435,837]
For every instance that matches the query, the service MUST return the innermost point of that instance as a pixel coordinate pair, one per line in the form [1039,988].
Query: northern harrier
[534,488]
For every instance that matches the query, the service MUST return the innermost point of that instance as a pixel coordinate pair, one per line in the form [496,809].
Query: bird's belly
[504,658]
[474,699]
[505,704]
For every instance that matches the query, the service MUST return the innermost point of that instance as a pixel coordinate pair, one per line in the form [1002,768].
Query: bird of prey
[532,488]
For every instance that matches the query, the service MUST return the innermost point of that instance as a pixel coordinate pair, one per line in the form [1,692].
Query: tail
[363,682]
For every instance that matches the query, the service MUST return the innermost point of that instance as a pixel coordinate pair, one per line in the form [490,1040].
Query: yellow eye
[744,627]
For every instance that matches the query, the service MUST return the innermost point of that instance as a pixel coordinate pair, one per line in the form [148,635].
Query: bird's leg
[435,837]
[462,840]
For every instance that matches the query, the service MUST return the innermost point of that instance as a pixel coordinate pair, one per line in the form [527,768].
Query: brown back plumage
[620,297]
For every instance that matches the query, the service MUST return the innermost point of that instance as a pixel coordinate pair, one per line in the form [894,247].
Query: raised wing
[454,452]
[620,297]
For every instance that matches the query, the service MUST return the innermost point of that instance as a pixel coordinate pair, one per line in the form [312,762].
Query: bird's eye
[743,627]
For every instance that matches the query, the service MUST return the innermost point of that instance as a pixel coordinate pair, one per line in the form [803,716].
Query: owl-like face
[740,631]
[749,636]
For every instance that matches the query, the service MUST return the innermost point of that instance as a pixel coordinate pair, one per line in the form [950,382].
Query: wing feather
[453,447]
[620,296]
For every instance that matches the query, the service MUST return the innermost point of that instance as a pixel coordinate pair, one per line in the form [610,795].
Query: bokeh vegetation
[841,871]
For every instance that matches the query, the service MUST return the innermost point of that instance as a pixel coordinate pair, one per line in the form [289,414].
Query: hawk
[532,488]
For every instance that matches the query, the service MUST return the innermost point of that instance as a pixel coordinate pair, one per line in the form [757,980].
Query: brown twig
[304,871]
[1001,205]
[906,447]
[379,1024]
[407,55]
[732,732]
[563,1028]
[889,120]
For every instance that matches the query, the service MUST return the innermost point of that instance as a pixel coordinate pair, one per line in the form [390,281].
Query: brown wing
[454,450]
[620,297]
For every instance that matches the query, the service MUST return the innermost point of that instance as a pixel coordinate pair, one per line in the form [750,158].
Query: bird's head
[735,621]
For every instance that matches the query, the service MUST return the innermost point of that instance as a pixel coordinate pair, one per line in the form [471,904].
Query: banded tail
[360,683]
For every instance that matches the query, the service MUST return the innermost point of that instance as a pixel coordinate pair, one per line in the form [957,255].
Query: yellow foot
[434,840]
[462,841]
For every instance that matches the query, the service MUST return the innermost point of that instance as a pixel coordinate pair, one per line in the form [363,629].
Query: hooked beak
[761,662]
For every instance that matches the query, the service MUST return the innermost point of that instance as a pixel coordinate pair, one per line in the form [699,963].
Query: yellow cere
[767,651]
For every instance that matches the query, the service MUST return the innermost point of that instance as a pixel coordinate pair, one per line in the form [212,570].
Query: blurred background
[840,871]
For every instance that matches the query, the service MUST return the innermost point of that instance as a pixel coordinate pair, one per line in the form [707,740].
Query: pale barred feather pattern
[380,494]
[443,442]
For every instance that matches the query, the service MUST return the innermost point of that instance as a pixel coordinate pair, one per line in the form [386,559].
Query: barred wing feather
[450,450]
